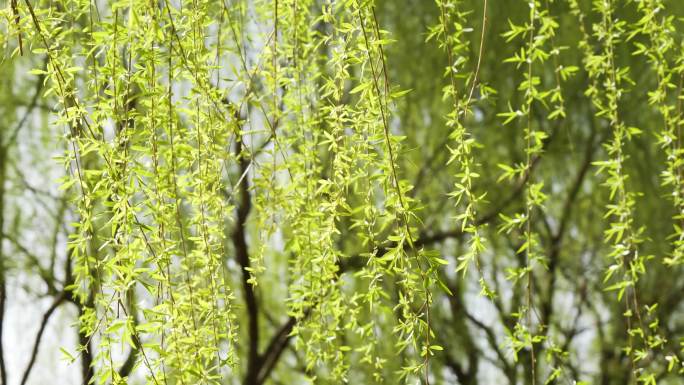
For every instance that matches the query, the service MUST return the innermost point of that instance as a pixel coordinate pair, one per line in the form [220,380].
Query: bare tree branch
[278,343]
[46,317]
[3,268]
[241,249]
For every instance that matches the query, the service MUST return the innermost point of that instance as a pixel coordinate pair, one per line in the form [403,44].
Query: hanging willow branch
[238,177]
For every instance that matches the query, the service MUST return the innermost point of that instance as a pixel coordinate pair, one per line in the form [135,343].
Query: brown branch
[43,273]
[29,109]
[17,23]
[465,376]
[278,343]
[128,365]
[46,317]
[356,261]
[84,341]
[489,216]
[3,283]
[239,240]
[86,355]
[87,371]
[458,307]
[462,376]
[3,301]
[558,237]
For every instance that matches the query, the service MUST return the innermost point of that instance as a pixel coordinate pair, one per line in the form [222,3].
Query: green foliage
[300,191]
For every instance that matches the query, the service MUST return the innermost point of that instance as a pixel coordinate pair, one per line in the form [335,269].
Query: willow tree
[302,191]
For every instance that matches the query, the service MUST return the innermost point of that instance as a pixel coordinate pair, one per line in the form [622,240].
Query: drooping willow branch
[237,171]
